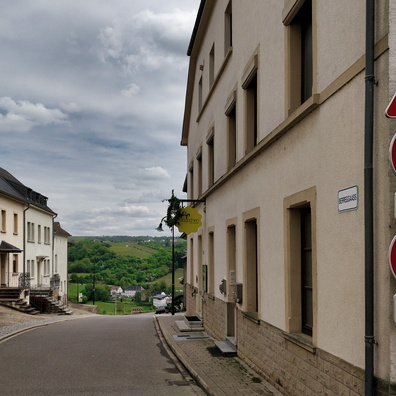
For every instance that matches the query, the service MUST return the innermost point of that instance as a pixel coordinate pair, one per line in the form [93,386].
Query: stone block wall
[214,316]
[292,368]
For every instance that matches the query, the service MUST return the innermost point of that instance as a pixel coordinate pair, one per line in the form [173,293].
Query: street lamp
[159,228]
[173,217]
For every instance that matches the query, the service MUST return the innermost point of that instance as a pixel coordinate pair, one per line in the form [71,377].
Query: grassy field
[72,291]
[123,308]
[131,249]
[168,279]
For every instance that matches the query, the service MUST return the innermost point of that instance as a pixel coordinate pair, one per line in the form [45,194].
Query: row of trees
[96,260]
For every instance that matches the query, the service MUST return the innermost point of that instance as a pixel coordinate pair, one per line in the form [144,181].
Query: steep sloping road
[98,355]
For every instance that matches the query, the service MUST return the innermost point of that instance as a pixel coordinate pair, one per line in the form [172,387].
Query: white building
[278,125]
[60,259]
[33,254]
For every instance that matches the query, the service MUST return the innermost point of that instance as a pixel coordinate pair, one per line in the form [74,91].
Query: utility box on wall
[238,293]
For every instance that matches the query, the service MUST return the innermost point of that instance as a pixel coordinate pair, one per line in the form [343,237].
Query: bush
[102,292]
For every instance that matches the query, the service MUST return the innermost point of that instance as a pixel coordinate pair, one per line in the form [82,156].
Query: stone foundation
[294,367]
[214,317]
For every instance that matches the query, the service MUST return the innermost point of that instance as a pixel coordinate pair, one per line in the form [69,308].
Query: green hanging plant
[174,212]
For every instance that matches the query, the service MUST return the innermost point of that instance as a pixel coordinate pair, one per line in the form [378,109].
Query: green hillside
[131,249]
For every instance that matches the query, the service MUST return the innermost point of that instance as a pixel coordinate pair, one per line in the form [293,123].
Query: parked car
[162,308]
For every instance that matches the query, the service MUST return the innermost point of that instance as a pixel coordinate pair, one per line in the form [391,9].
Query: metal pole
[173,270]
[368,200]
[93,288]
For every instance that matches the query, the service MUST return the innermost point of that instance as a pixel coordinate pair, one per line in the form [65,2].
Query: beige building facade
[275,125]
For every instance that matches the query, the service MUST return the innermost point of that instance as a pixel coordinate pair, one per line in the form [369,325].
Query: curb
[196,377]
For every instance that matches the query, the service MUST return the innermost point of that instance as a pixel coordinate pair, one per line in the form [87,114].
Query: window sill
[253,316]
[301,340]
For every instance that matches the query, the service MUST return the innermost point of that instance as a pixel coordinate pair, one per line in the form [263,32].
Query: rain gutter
[368,199]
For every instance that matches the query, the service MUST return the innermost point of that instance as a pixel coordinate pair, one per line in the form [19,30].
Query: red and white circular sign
[392,153]
[392,256]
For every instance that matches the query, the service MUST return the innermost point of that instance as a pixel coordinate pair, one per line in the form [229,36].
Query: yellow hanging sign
[190,221]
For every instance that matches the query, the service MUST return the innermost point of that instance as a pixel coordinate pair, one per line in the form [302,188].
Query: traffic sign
[392,256]
[390,111]
[392,153]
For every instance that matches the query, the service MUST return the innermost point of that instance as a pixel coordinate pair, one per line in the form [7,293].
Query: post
[93,285]
[173,270]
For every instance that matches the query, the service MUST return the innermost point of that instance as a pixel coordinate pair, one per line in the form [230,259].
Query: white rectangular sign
[348,199]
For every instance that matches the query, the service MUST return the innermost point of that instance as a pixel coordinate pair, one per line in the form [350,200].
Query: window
[301,262]
[250,86]
[30,231]
[199,172]
[211,66]
[47,235]
[56,263]
[231,259]
[14,263]
[3,221]
[306,271]
[191,261]
[228,28]
[231,135]
[30,267]
[39,233]
[200,95]
[15,223]
[251,267]
[300,58]
[46,267]
[191,183]
[251,114]
[210,275]
[210,146]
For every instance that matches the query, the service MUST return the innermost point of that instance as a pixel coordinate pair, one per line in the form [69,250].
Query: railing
[55,282]
[24,281]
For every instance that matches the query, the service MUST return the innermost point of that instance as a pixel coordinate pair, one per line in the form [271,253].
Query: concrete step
[183,326]
[226,348]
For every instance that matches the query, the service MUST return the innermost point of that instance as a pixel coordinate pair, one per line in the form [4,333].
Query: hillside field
[131,249]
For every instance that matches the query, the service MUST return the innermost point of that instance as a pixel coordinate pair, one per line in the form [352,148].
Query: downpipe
[368,199]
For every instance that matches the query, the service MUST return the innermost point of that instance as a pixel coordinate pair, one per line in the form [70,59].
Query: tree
[102,292]
[138,297]
[74,278]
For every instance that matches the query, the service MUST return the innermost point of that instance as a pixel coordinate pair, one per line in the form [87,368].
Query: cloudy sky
[91,107]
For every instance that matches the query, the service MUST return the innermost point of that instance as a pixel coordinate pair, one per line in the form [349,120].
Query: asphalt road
[99,355]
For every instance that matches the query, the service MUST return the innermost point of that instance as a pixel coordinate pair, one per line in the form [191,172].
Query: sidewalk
[217,375]
[14,322]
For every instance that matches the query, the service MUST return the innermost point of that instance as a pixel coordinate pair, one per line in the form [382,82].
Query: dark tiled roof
[6,247]
[9,184]
[58,230]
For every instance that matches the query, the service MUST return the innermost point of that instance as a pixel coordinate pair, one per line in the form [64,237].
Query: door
[3,279]
[231,307]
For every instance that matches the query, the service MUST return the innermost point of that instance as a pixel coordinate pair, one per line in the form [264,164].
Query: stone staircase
[46,304]
[228,347]
[10,297]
